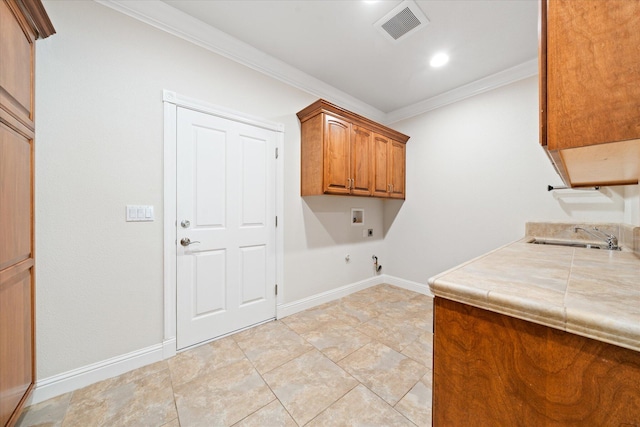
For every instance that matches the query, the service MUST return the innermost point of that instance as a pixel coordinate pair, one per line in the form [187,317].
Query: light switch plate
[139,213]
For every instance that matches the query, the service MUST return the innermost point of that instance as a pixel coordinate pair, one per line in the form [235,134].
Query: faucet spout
[610,239]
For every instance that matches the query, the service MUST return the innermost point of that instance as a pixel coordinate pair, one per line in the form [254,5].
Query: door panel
[397,169]
[211,182]
[380,166]
[253,265]
[336,171]
[226,190]
[15,197]
[209,270]
[254,163]
[15,338]
[361,147]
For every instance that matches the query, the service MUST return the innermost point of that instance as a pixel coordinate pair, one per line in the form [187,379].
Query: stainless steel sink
[569,244]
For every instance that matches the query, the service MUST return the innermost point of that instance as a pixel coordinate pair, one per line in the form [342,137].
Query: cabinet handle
[353,183]
[392,188]
[348,183]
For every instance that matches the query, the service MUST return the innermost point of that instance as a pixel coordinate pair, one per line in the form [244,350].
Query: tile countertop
[588,292]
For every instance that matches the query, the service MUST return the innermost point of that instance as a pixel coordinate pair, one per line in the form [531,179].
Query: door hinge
[276,152]
[276,289]
[276,221]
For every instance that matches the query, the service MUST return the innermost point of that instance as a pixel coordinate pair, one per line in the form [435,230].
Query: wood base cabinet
[494,370]
[21,23]
[590,89]
[343,153]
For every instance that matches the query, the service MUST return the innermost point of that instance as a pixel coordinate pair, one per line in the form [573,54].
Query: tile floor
[363,360]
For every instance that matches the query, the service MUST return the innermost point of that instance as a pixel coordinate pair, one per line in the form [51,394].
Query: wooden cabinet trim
[38,18]
[322,106]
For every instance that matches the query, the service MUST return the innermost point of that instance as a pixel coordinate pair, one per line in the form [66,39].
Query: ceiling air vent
[404,20]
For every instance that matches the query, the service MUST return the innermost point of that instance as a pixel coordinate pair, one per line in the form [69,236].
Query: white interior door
[226,181]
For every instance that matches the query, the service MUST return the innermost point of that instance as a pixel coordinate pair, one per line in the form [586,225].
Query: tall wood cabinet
[346,154]
[590,89]
[21,23]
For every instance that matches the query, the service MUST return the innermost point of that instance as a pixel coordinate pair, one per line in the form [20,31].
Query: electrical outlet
[370,232]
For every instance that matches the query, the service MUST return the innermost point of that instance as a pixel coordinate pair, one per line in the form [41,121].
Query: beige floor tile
[416,405]
[417,311]
[196,362]
[336,339]
[369,296]
[384,371]
[390,293]
[271,345]
[309,320]
[421,350]
[126,400]
[394,332]
[308,384]
[273,414]
[49,413]
[360,407]
[354,311]
[220,383]
[222,397]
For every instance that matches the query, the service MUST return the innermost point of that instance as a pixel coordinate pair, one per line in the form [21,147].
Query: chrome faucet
[612,241]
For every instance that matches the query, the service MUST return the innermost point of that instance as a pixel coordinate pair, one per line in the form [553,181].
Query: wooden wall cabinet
[590,90]
[495,370]
[21,23]
[346,154]
[389,160]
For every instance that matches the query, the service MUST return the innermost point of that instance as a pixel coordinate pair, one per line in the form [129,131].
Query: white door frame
[171,102]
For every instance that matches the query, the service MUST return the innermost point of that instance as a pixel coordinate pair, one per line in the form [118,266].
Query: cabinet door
[361,154]
[380,164]
[396,171]
[15,337]
[337,135]
[593,72]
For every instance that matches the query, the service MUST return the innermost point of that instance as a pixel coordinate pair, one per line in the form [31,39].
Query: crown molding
[164,17]
[173,21]
[485,84]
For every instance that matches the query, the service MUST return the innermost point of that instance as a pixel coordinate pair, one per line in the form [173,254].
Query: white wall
[632,205]
[475,175]
[99,147]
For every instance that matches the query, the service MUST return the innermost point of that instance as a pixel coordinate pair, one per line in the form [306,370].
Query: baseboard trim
[284,310]
[77,378]
[81,377]
[421,288]
[169,348]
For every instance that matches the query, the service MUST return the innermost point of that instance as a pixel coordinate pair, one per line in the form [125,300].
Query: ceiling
[332,49]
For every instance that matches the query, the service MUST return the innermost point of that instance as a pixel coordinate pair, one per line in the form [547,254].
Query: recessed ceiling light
[439,59]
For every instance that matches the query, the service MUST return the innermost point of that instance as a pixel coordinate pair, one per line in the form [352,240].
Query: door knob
[186,241]
[185,224]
